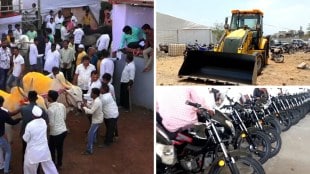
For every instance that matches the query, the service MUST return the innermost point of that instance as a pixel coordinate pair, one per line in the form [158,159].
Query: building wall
[143,88]
[142,92]
[203,36]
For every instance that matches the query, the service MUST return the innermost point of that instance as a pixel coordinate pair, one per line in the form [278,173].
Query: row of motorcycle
[238,138]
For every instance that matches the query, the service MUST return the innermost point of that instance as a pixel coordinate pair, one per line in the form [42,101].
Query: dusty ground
[294,154]
[131,154]
[273,74]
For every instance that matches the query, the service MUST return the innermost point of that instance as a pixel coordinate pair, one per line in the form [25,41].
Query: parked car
[299,42]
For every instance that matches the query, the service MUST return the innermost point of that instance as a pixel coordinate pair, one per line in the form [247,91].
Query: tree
[218,30]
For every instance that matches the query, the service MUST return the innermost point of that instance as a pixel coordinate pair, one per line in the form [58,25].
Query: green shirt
[136,35]
[32,34]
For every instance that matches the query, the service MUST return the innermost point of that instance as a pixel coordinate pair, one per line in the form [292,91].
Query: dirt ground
[273,74]
[132,153]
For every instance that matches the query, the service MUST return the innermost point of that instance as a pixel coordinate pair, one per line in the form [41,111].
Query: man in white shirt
[106,64]
[17,32]
[82,74]
[59,19]
[33,55]
[18,69]
[74,20]
[58,130]
[5,57]
[110,112]
[52,25]
[55,74]
[127,79]
[37,150]
[106,79]
[94,82]
[48,17]
[64,32]
[97,119]
[51,59]
[48,45]
[103,42]
[67,57]
[78,36]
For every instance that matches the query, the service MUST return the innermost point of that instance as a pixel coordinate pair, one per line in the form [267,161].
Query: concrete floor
[294,156]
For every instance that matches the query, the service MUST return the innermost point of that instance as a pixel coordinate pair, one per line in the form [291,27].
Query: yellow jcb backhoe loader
[237,58]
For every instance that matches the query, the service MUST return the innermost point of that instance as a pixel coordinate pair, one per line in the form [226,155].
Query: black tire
[244,164]
[294,117]
[260,148]
[285,121]
[275,140]
[271,121]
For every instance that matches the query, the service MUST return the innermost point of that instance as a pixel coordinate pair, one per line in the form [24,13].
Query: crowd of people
[58,50]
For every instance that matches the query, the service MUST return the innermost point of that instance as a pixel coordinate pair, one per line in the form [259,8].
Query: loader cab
[250,20]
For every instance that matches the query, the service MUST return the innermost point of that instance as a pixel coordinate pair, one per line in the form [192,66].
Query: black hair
[85,58]
[107,76]
[105,87]
[53,95]
[126,29]
[32,96]
[96,91]
[15,48]
[48,30]
[35,39]
[104,53]
[130,56]
[94,72]
[80,25]
[55,68]
[146,26]
[17,25]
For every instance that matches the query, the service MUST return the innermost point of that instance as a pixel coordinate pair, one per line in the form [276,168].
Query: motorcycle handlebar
[196,105]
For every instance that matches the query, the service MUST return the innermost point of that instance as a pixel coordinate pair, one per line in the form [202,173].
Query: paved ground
[295,151]
[131,154]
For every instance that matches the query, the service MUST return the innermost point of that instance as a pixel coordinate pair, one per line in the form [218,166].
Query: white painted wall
[143,88]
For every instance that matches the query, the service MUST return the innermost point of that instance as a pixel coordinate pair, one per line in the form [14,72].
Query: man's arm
[51,117]
[74,82]
[26,135]
[94,107]
[22,71]
[14,112]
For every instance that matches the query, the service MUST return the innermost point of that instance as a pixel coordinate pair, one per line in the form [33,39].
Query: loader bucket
[231,68]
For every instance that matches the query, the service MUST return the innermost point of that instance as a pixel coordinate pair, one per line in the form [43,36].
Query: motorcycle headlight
[166,153]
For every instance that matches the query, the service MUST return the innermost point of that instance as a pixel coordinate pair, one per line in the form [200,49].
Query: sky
[279,15]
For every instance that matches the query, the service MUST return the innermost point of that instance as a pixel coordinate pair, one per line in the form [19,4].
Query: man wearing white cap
[37,150]
[81,53]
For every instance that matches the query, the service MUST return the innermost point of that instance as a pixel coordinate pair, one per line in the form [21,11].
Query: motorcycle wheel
[285,121]
[275,140]
[260,148]
[271,121]
[244,165]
